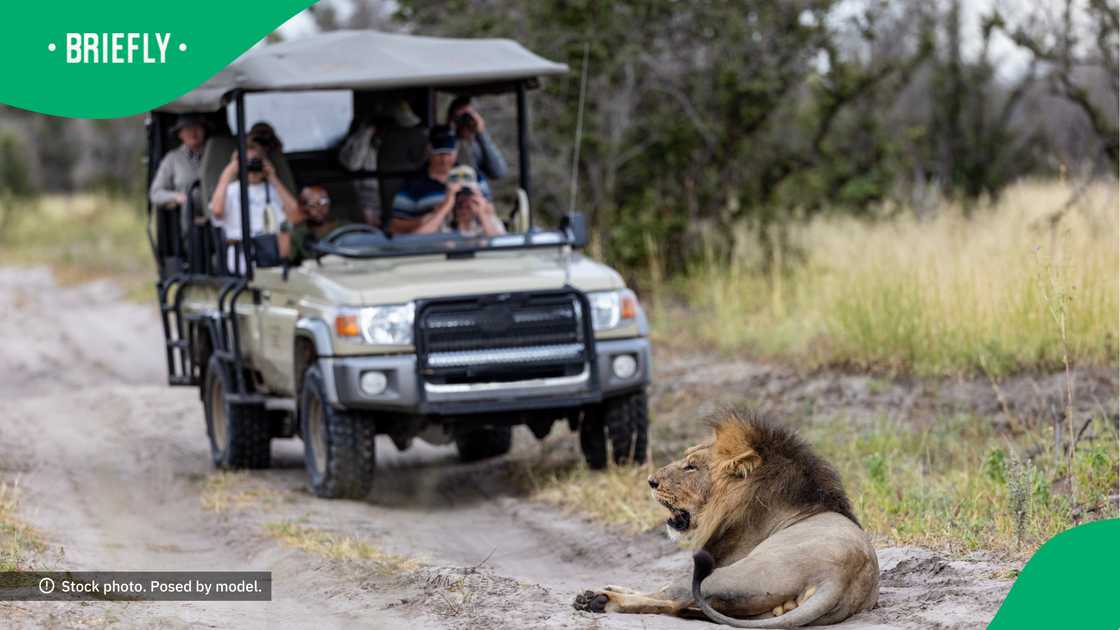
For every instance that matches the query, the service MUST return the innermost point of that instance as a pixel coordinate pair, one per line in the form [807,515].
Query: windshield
[373,244]
[305,121]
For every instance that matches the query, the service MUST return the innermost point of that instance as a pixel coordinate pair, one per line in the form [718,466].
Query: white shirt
[263,198]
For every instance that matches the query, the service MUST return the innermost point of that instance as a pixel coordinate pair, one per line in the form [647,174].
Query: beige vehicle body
[445,336]
[300,306]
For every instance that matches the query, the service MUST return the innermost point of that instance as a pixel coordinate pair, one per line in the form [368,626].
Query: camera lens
[254,165]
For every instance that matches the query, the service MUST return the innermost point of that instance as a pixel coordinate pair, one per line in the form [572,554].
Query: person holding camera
[270,202]
[477,149]
[472,213]
[424,202]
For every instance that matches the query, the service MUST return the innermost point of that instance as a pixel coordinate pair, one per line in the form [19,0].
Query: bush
[15,177]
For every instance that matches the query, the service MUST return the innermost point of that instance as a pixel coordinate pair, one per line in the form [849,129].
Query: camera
[463,193]
[464,121]
[255,165]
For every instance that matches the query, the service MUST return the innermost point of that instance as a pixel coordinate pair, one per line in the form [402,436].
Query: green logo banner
[1070,582]
[88,59]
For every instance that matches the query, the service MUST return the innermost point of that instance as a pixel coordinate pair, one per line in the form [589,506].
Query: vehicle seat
[215,156]
[402,149]
[344,202]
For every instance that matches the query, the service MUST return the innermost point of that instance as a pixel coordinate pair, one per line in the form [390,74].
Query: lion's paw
[591,601]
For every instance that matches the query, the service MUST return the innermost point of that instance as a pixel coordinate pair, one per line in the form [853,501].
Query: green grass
[18,541]
[995,294]
[957,485]
[81,238]
[960,485]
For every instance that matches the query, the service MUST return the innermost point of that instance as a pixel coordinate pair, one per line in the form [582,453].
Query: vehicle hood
[354,282]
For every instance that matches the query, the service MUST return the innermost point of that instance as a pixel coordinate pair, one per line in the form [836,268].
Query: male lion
[773,521]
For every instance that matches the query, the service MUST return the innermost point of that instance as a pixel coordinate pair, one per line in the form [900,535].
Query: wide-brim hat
[189,120]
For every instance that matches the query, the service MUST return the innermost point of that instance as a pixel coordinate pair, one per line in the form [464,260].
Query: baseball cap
[441,139]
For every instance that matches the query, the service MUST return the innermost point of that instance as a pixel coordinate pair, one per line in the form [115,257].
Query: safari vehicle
[443,337]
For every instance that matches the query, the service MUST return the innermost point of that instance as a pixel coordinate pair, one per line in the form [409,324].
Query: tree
[1077,45]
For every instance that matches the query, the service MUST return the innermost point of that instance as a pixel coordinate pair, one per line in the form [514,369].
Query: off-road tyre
[627,420]
[624,423]
[240,435]
[338,446]
[479,444]
[593,439]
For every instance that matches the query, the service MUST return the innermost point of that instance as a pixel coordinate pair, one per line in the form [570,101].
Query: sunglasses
[316,203]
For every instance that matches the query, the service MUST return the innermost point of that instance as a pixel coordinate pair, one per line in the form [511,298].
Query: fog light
[374,383]
[624,366]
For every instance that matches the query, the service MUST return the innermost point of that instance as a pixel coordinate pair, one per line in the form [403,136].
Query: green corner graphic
[1070,582]
[174,47]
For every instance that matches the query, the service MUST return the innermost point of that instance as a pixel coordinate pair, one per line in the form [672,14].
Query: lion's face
[683,487]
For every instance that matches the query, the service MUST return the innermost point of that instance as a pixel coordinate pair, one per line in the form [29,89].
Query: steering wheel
[351,228]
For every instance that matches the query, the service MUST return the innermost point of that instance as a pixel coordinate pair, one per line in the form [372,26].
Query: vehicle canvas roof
[368,60]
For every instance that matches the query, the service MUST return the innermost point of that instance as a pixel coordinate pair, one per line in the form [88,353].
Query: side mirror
[266,250]
[575,226]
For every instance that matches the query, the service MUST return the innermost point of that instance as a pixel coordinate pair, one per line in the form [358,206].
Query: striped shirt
[418,197]
[422,194]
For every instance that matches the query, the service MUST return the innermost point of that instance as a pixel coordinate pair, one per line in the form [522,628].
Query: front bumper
[408,392]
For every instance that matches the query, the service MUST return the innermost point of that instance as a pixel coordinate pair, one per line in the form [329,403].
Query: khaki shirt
[178,170]
[303,235]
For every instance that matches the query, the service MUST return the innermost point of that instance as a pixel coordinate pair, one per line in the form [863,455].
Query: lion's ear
[744,463]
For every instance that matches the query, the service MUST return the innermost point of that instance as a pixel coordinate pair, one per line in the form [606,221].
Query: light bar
[506,355]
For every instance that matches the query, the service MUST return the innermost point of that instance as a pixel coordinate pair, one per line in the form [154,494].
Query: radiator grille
[505,337]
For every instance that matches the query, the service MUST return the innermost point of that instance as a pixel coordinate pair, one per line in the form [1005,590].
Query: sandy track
[113,465]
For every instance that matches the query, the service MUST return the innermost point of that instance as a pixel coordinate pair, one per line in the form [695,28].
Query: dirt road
[115,474]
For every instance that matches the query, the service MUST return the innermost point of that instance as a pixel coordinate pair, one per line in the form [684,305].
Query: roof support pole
[243,179]
[523,145]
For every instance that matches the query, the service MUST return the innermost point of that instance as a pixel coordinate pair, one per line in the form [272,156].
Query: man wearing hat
[424,202]
[179,169]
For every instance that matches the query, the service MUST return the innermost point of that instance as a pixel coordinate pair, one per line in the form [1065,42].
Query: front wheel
[338,446]
[624,422]
[240,435]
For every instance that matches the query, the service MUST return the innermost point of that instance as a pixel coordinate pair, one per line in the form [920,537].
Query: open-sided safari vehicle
[444,337]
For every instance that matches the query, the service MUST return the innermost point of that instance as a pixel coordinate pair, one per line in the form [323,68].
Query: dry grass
[618,496]
[956,485]
[17,540]
[339,547]
[84,237]
[225,491]
[945,296]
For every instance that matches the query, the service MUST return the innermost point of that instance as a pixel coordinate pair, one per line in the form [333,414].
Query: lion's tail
[814,608]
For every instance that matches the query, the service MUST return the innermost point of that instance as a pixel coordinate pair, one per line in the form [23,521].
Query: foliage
[15,178]
[704,115]
[83,237]
[956,484]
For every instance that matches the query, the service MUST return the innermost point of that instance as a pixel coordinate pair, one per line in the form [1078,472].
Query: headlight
[611,309]
[378,325]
